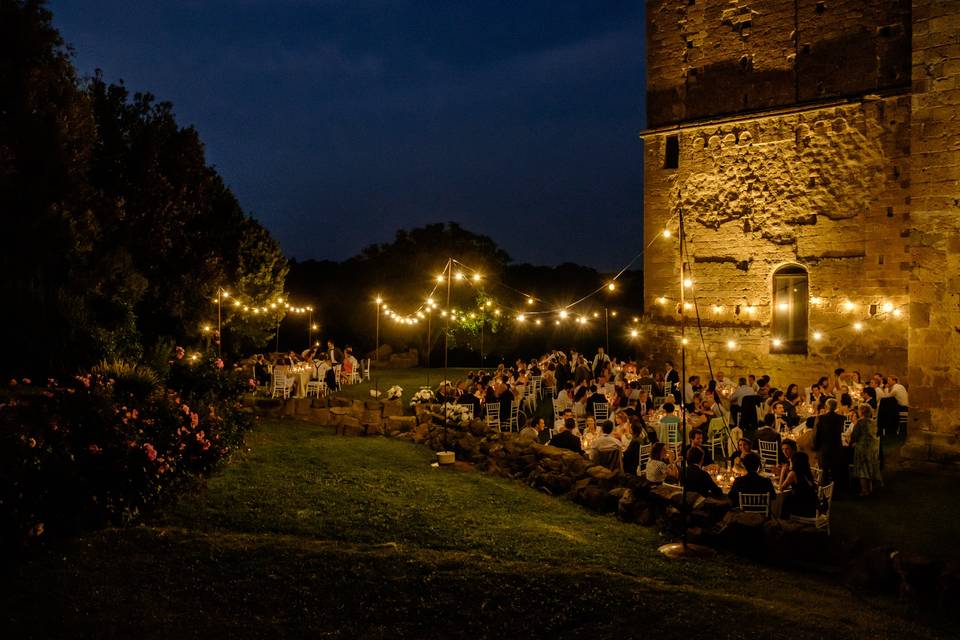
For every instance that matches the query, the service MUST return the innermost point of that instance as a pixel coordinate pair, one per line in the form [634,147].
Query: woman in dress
[590,432]
[660,467]
[866,451]
[799,489]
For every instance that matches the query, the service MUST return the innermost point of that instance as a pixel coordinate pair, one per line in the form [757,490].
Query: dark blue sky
[336,122]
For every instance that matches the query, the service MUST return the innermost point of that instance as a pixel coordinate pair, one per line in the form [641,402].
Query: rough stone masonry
[819,138]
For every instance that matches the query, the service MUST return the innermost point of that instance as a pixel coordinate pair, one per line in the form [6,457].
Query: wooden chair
[769,453]
[822,519]
[493,415]
[755,503]
[645,450]
[611,459]
[601,411]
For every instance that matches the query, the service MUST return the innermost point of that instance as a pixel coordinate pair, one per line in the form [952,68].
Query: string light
[611,286]
[634,333]
[563,314]
[688,283]
[731,344]
[858,326]
[897,313]
[817,336]
[661,300]
[887,307]
[777,342]
[848,306]
[667,233]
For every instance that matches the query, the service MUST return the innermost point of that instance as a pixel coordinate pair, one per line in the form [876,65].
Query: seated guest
[595,397]
[559,422]
[536,431]
[565,397]
[567,439]
[605,442]
[473,400]
[696,442]
[744,448]
[661,468]
[752,482]
[696,478]
[768,432]
[669,414]
[787,450]
[799,489]
[590,431]
[631,456]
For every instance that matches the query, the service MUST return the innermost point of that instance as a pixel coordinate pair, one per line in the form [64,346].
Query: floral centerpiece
[395,392]
[457,412]
[423,396]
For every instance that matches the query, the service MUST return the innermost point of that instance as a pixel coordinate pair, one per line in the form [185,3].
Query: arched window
[788,325]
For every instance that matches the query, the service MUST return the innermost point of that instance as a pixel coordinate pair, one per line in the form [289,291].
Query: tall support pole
[376,348]
[429,342]
[219,323]
[683,380]
[482,322]
[606,328]
[446,339]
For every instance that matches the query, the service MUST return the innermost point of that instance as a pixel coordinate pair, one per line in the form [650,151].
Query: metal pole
[683,387]
[606,327]
[376,351]
[309,328]
[446,337]
[429,342]
[219,333]
[482,322]
[277,348]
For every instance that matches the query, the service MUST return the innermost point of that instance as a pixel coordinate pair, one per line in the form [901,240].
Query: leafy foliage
[121,233]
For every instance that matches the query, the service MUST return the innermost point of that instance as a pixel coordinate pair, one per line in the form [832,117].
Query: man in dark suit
[828,444]
[595,397]
[698,480]
[753,482]
[671,378]
[567,439]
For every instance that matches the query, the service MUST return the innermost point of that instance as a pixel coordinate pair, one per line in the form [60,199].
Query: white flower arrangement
[423,396]
[457,412]
[375,394]
[395,392]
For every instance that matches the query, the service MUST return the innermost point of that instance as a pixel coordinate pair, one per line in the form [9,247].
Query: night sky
[336,122]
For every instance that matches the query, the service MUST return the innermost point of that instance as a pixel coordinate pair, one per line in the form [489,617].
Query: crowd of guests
[608,409]
[332,365]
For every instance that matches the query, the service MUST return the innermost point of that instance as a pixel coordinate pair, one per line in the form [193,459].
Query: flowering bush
[394,393]
[103,446]
[423,396]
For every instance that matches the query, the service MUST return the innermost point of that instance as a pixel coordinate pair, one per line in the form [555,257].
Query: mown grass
[410,380]
[314,535]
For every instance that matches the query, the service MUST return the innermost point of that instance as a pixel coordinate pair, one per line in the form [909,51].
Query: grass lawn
[409,379]
[314,535]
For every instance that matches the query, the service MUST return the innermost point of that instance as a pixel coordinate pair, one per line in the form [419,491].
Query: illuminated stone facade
[788,134]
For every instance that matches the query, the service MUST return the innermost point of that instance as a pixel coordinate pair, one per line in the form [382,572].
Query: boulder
[392,408]
[320,415]
[479,428]
[742,532]
[402,424]
[600,473]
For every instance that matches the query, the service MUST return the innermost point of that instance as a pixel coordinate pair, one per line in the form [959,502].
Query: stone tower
[785,133]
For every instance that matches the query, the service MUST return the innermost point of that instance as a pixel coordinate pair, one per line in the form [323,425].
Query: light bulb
[611,286]
[777,342]
[817,335]
[563,314]
[667,233]
[687,282]
[731,344]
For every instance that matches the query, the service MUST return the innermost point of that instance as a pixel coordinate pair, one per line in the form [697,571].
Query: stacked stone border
[919,581]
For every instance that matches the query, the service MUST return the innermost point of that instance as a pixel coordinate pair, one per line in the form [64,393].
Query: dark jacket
[631,457]
[700,481]
[594,399]
[566,440]
[827,440]
[751,483]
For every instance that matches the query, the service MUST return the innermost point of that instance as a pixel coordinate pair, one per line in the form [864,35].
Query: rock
[373,405]
[549,451]
[593,498]
[392,408]
[321,415]
[402,424]
[556,483]
[919,575]
[742,532]
[600,473]
[478,428]
[337,401]
[874,571]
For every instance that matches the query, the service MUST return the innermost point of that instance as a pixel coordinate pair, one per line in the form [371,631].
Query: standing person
[866,451]
[333,354]
[828,444]
[671,378]
[600,362]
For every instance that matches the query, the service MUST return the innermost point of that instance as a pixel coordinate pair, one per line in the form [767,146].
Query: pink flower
[151,452]
[180,352]
[94,449]
[219,363]
[26,381]
[13,382]
[185,409]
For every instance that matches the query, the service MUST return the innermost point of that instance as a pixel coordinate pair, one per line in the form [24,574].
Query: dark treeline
[117,233]
[403,273]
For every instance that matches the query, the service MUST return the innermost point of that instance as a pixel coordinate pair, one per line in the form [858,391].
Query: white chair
[514,424]
[755,503]
[648,388]
[279,384]
[316,388]
[673,434]
[366,369]
[659,401]
[822,519]
[493,415]
[468,408]
[769,453]
[644,458]
[903,423]
[817,473]
[716,438]
[601,411]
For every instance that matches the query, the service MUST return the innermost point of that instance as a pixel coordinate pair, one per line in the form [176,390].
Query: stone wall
[935,233]
[712,57]
[826,188]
